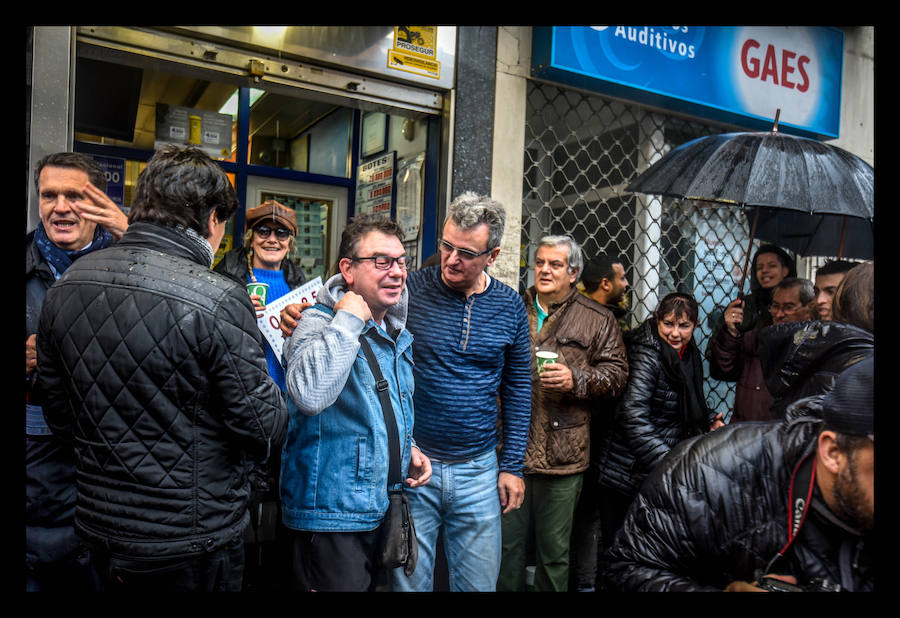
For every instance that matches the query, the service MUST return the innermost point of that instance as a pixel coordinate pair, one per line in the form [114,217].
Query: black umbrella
[809,235]
[778,171]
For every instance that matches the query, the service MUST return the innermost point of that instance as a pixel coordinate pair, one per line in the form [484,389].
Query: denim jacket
[334,464]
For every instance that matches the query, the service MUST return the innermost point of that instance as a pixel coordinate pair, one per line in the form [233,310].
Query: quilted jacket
[646,422]
[716,511]
[587,338]
[154,367]
[801,359]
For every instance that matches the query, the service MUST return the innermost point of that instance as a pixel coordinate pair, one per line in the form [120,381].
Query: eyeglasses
[384,262]
[786,308]
[265,231]
[463,253]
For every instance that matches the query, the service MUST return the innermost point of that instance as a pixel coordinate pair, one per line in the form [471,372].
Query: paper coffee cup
[262,289]
[544,357]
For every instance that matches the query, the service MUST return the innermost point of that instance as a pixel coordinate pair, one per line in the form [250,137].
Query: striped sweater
[467,352]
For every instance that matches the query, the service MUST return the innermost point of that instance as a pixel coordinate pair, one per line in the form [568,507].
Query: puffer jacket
[587,338]
[647,420]
[154,367]
[716,511]
[801,359]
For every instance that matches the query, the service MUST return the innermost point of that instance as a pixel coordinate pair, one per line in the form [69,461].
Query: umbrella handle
[843,233]
[749,248]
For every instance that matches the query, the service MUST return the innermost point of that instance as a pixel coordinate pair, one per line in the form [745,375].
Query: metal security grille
[581,151]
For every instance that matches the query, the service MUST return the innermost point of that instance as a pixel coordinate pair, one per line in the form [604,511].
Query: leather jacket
[588,340]
[153,366]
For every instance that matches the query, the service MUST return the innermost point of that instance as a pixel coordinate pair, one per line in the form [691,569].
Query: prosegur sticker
[415,51]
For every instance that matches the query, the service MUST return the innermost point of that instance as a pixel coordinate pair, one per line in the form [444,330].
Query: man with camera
[785,504]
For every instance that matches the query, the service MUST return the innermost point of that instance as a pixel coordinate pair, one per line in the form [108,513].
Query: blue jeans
[461,499]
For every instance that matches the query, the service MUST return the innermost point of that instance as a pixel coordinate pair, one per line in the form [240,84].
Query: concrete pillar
[508,164]
[474,113]
[647,258]
[51,107]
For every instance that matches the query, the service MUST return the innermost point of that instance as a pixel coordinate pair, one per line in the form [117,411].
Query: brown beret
[270,209]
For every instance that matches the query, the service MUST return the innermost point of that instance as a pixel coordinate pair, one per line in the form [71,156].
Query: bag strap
[390,422]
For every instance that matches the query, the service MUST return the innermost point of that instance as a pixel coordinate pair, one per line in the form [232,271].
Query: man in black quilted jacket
[793,499]
[153,366]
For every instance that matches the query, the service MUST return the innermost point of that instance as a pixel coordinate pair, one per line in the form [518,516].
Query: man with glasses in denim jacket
[334,465]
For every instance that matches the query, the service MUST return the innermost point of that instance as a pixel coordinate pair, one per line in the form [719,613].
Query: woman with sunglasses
[270,235]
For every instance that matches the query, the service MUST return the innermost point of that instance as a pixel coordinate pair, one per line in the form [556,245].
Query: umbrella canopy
[816,235]
[768,169]
[764,169]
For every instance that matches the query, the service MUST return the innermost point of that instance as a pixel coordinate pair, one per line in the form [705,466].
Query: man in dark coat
[734,356]
[604,281]
[792,498]
[801,359]
[76,218]
[153,367]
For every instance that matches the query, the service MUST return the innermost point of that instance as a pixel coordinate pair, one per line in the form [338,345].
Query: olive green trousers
[548,510]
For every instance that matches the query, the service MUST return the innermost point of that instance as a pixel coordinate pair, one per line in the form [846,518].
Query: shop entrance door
[321,212]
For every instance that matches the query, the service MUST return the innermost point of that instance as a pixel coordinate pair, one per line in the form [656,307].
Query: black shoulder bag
[397,544]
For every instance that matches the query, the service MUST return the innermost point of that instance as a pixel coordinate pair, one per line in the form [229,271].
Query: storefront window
[142,108]
[301,135]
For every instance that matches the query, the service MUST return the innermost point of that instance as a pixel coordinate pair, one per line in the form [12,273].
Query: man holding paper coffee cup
[579,359]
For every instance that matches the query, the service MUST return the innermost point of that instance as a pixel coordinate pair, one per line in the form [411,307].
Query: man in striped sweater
[471,351]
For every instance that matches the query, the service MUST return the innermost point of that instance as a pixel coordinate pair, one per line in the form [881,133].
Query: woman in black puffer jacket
[662,405]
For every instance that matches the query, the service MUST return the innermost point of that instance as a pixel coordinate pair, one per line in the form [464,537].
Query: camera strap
[803,483]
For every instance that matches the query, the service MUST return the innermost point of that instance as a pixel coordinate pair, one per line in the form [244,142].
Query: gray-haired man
[592,365]
[471,334]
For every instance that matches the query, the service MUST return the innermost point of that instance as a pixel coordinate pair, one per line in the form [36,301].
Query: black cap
[849,407]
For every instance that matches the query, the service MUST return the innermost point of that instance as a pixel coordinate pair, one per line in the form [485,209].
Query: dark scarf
[685,374]
[60,259]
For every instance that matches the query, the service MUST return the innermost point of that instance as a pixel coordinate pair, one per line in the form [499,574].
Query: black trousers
[586,541]
[336,561]
[218,571]
[613,508]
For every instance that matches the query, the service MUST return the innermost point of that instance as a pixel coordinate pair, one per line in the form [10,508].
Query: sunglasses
[265,231]
[463,253]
